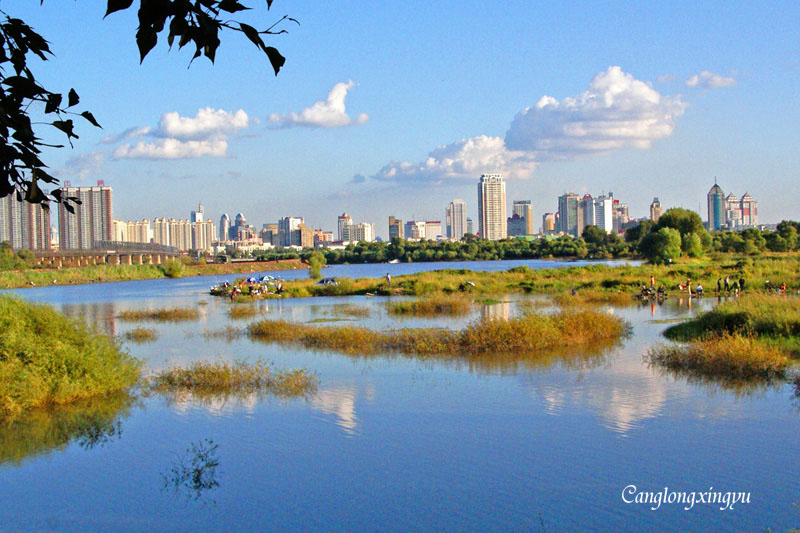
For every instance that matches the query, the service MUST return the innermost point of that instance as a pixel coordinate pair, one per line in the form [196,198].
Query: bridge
[109,253]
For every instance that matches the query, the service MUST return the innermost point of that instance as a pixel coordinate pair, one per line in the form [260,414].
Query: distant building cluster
[26,225]
[730,212]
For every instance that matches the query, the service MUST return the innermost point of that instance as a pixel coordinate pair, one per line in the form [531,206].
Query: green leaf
[117,5]
[275,58]
[73,98]
[88,116]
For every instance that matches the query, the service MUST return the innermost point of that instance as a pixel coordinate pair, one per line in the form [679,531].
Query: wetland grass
[522,335]
[48,359]
[173,314]
[728,356]
[214,379]
[440,304]
[238,312]
[141,335]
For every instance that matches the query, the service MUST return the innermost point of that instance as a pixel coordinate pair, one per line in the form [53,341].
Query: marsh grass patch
[173,314]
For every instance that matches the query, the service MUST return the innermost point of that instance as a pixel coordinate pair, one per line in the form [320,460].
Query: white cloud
[83,165]
[328,113]
[464,159]
[709,80]
[177,137]
[173,149]
[207,122]
[136,131]
[617,111]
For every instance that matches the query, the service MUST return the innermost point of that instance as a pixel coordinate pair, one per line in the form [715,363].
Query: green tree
[27,108]
[315,263]
[692,245]
[594,235]
[635,234]
[683,220]
[661,246]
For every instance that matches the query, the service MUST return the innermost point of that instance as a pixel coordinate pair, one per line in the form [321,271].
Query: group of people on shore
[725,285]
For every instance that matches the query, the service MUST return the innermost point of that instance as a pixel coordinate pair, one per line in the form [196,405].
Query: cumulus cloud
[173,149]
[83,165]
[617,111]
[328,113]
[465,160]
[206,122]
[177,137]
[709,80]
[136,131]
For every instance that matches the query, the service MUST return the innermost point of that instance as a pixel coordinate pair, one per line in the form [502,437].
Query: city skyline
[333,133]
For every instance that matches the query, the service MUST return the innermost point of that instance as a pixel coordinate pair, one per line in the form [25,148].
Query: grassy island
[753,337]
[524,336]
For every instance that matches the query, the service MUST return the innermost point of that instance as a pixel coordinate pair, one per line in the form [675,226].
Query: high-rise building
[269,234]
[224,227]
[288,225]
[492,207]
[203,234]
[364,231]
[586,212]
[604,212]
[456,219]
[321,236]
[161,231]
[92,220]
[716,208]
[655,210]
[470,226]
[23,224]
[568,214]
[136,231]
[197,216]
[395,228]
[415,229]
[621,215]
[517,225]
[433,229]
[733,212]
[180,234]
[343,221]
[303,236]
[525,211]
[548,223]
[749,210]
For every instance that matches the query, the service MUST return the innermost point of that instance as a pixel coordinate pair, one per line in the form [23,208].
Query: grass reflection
[89,423]
[195,474]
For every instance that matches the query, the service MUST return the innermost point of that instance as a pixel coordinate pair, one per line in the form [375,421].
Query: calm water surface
[395,442]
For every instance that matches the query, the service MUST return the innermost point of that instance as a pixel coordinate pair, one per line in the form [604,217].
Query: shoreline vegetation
[37,277]
[588,284]
[757,337]
[49,361]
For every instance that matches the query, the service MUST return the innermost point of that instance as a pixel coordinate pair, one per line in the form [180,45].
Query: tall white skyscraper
[523,209]
[492,207]
[224,227]
[604,213]
[344,220]
[456,219]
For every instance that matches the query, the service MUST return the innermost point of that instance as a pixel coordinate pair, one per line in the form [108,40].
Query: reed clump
[204,379]
[238,312]
[728,356]
[174,314]
[452,305]
[525,334]
[141,335]
[355,311]
[47,359]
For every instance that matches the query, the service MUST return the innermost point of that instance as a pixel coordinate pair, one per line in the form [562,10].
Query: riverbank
[590,283]
[17,279]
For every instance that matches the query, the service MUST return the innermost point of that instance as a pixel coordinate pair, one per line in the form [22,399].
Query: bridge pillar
[157,259]
[137,259]
[112,259]
[125,259]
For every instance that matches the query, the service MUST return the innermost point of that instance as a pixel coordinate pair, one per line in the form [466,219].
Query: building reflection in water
[99,315]
[341,403]
[499,310]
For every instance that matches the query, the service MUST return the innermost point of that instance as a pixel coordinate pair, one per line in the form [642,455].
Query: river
[398,443]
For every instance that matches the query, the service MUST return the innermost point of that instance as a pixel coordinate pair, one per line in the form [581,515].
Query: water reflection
[194,474]
[90,424]
[99,315]
[341,403]
[500,310]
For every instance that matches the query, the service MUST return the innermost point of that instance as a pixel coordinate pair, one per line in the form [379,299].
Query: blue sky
[416,100]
